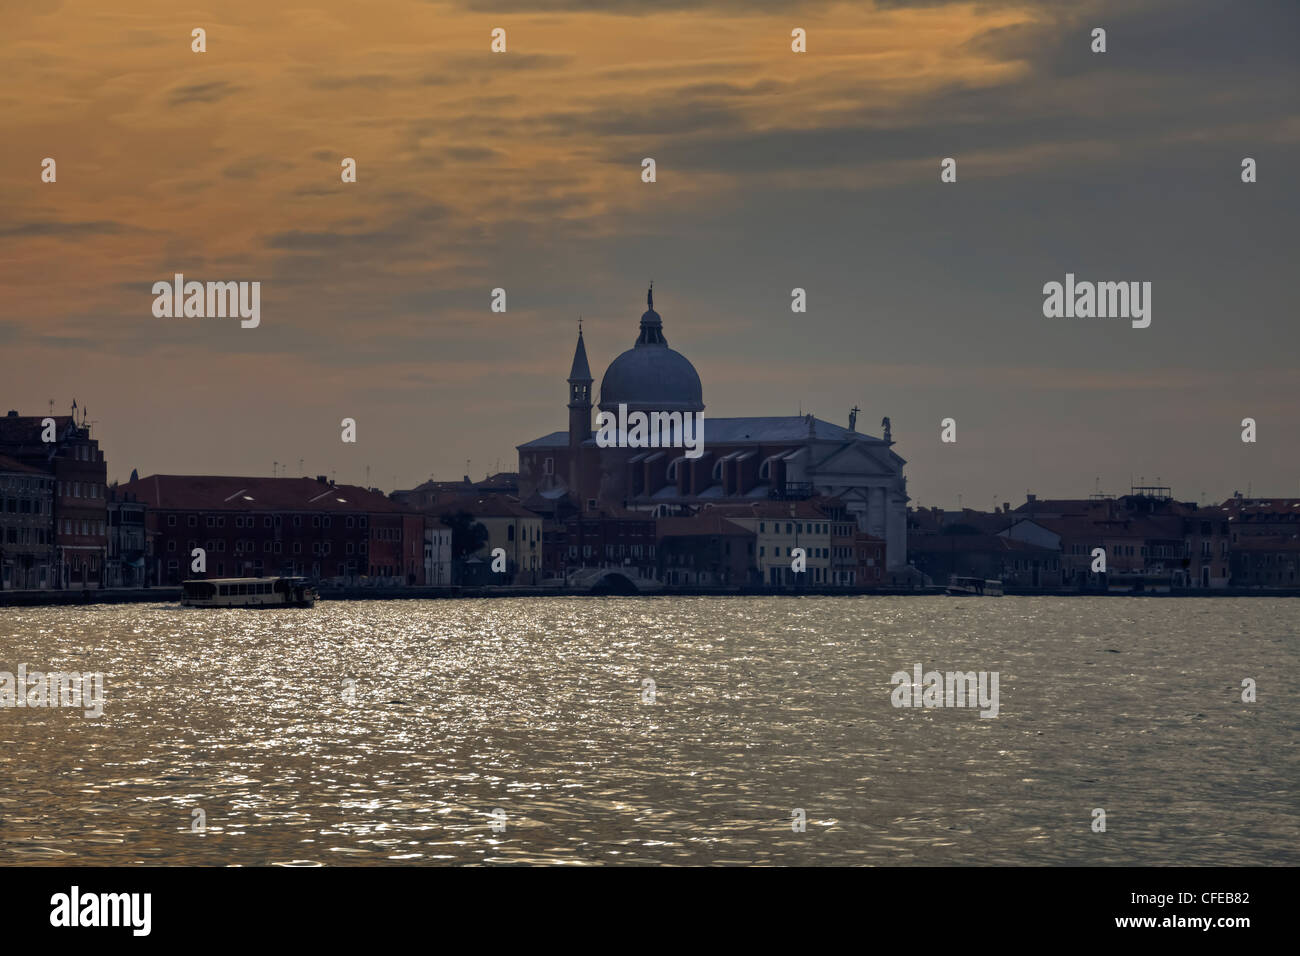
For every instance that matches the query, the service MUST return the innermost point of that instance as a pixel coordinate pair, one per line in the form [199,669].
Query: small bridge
[612,581]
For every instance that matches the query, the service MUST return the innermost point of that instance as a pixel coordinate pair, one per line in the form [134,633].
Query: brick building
[252,527]
[603,537]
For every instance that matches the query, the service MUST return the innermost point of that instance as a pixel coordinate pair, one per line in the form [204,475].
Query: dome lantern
[650,376]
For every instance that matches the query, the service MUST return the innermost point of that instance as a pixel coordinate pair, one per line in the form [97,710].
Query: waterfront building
[255,527]
[705,551]
[437,554]
[76,464]
[127,540]
[1266,561]
[607,537]
[778,528]
[26,526]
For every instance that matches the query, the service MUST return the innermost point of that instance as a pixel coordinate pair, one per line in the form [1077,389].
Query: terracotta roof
[12,464]
[1267,542]
[226,493]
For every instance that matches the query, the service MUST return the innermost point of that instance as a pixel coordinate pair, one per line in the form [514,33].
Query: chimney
[322,479]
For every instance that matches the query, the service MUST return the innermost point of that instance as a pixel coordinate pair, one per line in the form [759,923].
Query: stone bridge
[612,581]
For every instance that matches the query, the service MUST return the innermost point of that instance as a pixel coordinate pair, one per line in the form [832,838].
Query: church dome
[650,376]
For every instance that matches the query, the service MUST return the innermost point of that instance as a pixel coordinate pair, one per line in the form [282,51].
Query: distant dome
[650,376]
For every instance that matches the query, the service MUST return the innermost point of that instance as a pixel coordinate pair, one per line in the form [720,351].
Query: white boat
[973,587]
[247,592]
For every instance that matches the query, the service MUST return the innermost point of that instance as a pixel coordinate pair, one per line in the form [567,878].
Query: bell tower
[579,412]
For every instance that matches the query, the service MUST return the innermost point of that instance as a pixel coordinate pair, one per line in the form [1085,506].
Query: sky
[775,170]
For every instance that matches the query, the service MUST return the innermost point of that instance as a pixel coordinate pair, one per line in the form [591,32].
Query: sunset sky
[775,170]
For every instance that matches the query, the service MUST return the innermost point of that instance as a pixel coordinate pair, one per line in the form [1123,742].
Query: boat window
[225,590]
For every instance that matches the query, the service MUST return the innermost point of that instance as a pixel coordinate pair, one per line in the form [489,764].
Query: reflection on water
[762,706]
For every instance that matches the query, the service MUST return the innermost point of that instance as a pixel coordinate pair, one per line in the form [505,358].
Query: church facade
[744,460]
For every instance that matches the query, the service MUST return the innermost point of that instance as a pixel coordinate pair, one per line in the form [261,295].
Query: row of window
[1155,551]
[249,546]
[348,570]
[15,535]
[82,452]
[25,506]
[614,551]
[268,521]
[808,552]
[797,527]
[789,577]
[83,527]
[16,483]
[1268,560]
[1027,564]
[80,489]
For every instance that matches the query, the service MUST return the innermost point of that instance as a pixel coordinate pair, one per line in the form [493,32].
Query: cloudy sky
[775,170]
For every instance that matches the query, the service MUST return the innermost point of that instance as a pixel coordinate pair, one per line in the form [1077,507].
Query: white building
[437,556]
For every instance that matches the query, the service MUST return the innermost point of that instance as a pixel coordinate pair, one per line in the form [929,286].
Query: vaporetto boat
[247,592]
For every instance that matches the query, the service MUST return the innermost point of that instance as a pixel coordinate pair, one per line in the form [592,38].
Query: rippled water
[762,706]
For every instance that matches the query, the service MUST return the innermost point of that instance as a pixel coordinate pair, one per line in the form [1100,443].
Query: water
[763,705]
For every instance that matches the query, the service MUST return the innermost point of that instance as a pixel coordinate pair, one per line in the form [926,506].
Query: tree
[467,535]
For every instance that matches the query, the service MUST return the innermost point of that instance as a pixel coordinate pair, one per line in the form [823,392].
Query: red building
[869,557]
[251,527]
